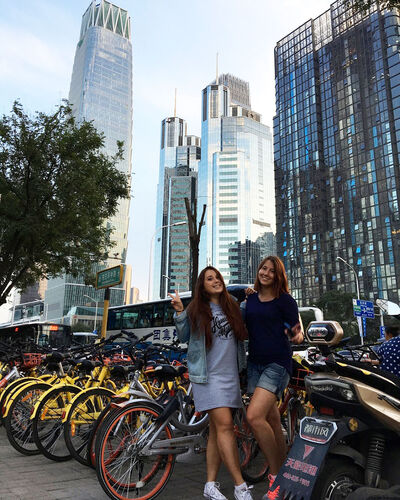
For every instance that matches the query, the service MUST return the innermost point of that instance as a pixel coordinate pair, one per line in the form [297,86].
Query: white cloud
[29,64]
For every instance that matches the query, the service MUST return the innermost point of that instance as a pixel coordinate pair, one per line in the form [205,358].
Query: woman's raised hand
[176,302]
[249,291]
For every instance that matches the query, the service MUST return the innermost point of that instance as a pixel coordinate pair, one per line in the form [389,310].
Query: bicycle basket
[297,378]
[31,359]
[118,359]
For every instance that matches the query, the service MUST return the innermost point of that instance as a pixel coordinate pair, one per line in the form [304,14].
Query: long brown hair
[199,309]
[280,284]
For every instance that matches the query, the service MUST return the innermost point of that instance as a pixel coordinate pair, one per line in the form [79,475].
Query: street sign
[381,332]
[363,308]
[109,277]
[364,326]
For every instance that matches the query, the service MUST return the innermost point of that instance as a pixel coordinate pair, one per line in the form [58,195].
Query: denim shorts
[272,377]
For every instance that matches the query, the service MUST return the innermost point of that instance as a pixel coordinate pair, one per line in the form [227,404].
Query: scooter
[351,443]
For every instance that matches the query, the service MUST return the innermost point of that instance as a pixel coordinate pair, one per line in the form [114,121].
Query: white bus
[154,317]
[157,316]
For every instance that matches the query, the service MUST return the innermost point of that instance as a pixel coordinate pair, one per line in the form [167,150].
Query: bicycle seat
[54,357]
[122,371]
[169,372]
[85,365]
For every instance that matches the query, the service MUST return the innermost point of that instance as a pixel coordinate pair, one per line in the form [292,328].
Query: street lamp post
[359,321]
[95,314]
[180,223]
[167,278]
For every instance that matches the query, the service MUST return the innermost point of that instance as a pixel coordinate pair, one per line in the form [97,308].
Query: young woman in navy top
[272,318]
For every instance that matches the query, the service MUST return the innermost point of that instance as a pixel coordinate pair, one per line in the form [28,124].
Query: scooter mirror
[324,332]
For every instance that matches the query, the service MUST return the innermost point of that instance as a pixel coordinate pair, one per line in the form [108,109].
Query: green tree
[364,5]
[81,327]
[57,188]
[338,306]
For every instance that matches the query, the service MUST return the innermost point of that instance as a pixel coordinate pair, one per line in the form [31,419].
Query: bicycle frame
[176,445]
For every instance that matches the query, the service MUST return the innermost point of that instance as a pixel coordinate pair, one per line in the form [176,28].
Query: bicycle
[86,407]
[137,443]
[49,411]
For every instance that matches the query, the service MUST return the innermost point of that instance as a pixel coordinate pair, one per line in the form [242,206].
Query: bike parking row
[126,410]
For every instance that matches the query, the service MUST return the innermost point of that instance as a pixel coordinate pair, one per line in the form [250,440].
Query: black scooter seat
[369,375]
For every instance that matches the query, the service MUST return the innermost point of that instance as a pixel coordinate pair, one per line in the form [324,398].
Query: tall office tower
[179,157]
[34,292]
[336,137]
[236,180]
[101,91]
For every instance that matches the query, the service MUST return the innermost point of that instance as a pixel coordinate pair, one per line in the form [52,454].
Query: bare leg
[274,419]
[263,416]
[212,455]
[221,418]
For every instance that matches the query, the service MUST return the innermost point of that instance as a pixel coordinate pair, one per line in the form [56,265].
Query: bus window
[169,315]
[129,319]
[43,339]
[169,311]
[114,319]
[185,301]
[28,334]
[44,334]
[145,316]
[158,314]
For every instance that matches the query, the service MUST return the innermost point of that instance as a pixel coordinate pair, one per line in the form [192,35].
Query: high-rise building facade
[101,92]
[179,157]
[336,141]
[236,180]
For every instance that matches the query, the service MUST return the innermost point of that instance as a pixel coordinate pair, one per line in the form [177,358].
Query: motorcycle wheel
[336,478]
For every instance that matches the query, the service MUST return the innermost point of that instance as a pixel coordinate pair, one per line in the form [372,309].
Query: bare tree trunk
[194,239]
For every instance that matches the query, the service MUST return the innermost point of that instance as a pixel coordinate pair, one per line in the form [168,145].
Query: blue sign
[364,325]
[382,332]
[363,308]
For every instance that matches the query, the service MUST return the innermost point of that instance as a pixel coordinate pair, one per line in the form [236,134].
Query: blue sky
[174,45]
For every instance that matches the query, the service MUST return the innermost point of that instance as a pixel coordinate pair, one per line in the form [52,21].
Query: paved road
[36,477]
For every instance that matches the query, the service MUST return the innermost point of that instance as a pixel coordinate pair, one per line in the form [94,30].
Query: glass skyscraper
[101,92]
[336,139]
[179,157]
[235,180]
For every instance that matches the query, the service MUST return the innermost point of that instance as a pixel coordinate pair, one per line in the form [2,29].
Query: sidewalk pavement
[36,477]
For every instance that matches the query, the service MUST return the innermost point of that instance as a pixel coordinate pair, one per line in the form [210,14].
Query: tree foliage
[364,5]
[338,306]
[57,188]
[81,327]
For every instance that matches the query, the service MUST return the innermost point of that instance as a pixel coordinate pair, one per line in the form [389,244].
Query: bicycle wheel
[10,388]
[18,423]
[96,430]
[47,422]
[186,418]
[291,420]
[253,464]
[123,470]
[85,409]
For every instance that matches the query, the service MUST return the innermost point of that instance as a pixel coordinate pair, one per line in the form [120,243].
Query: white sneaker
[211,491]
[243,492]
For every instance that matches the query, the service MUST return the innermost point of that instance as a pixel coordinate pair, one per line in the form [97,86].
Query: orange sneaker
[271,494]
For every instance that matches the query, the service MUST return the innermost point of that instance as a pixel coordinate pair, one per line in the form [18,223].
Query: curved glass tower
[101,92]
